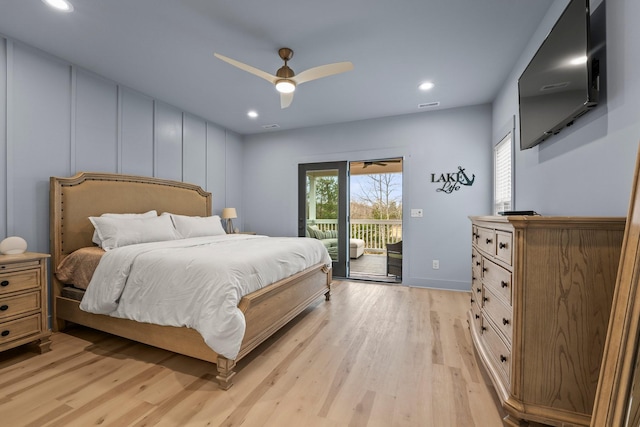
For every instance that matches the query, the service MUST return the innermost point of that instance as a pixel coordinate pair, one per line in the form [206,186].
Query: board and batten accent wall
[57,119]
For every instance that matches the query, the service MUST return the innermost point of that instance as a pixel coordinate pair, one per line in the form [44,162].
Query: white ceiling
[164,49]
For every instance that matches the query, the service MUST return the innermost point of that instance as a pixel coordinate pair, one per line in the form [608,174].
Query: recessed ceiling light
[579,60]
[252,113]
[426,86]
[61,5]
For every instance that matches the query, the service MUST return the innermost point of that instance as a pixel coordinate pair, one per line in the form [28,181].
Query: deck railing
[376,233]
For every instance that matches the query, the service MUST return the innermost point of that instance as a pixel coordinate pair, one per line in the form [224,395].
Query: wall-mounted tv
[560,83]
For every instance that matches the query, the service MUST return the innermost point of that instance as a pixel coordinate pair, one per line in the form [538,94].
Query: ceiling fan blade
[248,68]
[322,71]
[285,99]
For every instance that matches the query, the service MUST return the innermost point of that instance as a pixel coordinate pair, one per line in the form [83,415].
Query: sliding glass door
[323,209]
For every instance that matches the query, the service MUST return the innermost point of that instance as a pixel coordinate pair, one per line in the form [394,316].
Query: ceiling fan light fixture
[285,86]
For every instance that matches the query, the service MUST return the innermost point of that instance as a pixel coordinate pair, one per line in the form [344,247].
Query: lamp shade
[229,213]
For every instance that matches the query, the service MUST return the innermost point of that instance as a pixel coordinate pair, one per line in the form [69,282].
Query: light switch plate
[416,213]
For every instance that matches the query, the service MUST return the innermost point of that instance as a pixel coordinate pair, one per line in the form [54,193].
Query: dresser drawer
[486,240]
[499,313]
[497,278]
[15,329]
[11,306]
[504,245]
[19,281]
[476,316]
[498,350]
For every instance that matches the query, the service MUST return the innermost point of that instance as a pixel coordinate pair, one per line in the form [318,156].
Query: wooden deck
[371,267]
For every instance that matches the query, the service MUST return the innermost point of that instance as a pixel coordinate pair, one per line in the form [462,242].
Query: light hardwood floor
[375,355]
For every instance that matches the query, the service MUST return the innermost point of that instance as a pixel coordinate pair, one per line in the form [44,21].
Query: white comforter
[196,282]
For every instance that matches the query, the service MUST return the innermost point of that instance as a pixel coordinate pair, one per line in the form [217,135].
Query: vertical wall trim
[206,156]
[9,137]
[154,166]
[72,129]
[119,137]
[182,148]
[226,178]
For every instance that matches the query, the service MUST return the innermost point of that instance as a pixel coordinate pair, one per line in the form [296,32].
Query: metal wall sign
[452,181]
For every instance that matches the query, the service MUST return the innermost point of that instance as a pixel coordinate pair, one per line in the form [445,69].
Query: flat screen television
[560,83]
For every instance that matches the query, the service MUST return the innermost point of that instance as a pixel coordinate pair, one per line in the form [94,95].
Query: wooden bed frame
[74,199]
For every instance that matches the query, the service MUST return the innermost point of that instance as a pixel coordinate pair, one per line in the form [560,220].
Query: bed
[74,199]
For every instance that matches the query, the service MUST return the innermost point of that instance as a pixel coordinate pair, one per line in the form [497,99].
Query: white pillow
[197,226]
[118,232]
[96,239]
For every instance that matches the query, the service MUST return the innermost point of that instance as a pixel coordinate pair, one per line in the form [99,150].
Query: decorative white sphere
[13,245]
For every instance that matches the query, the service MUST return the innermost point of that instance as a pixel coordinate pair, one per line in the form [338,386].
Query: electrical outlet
[416,213]
[436,264]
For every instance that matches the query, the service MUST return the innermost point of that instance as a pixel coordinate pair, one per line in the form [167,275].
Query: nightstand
[23,301]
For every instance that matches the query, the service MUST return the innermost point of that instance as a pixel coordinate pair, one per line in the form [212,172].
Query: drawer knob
[484,328]
[504,284]
[4,307]
[5,333]
[485,269]
[4,283]
[478,290]
[477,262]
[505,321]
[472,300]
[503,358]
[502,245]
[477,316]
[489,241]
[473,256]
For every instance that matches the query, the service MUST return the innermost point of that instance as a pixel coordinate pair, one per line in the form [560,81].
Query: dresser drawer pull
[485,299]
[477,316]
[478,290]
[489,241]
[502,245]
[505,322]
[473,256]
[503,358]
[477,262]
[4,283]
[484,328]
[504,284]
[4,307]
[5,333]
[472,300]
[485,269]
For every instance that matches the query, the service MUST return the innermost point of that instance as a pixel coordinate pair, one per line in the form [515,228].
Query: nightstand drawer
[16,329]
[15,305]
[19,281]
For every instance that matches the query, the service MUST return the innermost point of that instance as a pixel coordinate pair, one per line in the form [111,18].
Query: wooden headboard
[73,200]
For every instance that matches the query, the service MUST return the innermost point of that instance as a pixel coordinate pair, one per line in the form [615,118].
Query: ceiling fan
[380,162]
[285,79]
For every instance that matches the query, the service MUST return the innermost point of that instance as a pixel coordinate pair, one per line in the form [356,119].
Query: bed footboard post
[225,372]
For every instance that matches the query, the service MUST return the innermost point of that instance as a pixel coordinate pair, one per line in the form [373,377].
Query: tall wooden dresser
[23,301]
[542,289]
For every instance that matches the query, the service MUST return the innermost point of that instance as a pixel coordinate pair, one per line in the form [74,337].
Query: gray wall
[586,169]
[57,119]
[435,142]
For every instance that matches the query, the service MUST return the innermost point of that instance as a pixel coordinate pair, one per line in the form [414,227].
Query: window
[503,199]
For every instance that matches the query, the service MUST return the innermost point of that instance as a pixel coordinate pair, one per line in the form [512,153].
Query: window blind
[502,175]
